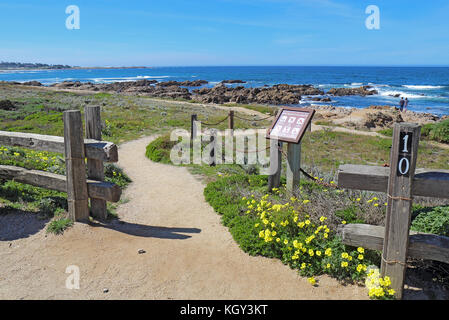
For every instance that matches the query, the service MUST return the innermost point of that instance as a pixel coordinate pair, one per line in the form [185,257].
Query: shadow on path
[18,224]
[140,230]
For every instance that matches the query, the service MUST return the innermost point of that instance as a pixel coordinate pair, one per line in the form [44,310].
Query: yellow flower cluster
[302,241]
[378,287]
[39,160]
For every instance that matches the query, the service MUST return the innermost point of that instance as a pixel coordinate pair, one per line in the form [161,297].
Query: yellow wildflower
[312,281]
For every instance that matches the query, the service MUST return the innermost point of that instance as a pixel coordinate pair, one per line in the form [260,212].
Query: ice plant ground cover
[267,224]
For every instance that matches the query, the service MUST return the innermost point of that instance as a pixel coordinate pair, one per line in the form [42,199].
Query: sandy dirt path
[188,253]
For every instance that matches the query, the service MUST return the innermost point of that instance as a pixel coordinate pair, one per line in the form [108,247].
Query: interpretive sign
[290,124]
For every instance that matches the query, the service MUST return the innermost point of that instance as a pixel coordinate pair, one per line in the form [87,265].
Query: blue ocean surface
[427,88]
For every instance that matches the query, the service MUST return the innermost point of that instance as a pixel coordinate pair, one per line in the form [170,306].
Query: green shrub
[432,220]
[59,226]
[349,215]
[159,149]
[437,131]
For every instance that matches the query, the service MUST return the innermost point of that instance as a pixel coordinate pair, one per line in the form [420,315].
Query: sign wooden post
[95,168]
[404,154]
[293,166]
[274,179]
[77,195]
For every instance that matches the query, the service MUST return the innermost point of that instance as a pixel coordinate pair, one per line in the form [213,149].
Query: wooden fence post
[193,129]
[293,166]
[404,154]
[77,196]
[231,121]
[95,168]
[274,179]
[213,153]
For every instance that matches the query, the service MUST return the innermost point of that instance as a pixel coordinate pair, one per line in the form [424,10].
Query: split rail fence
[401,182]
[76,149]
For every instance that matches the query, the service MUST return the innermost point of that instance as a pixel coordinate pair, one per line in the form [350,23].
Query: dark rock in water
[398,95]
[361,91]
[7,105]
[195,83]
[32,83]
[326,99]
[233,81]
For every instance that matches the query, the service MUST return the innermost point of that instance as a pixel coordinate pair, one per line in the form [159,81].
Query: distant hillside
[19,65]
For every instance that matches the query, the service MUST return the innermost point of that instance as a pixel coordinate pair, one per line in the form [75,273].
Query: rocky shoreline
[221,93]
[372,118]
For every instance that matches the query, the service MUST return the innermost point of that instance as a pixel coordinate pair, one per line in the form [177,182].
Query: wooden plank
[274,178]
[397,225]
[77,196]
[421,245]
[293,166]
[96,189]
[356,177]
[426,183]
[100,150]
[35,178]
[95,168]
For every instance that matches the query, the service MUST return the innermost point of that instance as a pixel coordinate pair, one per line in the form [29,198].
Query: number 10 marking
[405,143]
[404,159]
[401,164]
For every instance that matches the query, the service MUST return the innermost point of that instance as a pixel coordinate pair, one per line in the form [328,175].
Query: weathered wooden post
[193,128]
[77,196]
[213,144]
[274,179]
[231,121]
[293,166]
[404,153]
[95,168]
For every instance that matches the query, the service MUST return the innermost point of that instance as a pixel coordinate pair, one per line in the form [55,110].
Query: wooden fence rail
[76,149]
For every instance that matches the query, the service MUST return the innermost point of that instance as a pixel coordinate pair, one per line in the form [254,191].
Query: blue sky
[225,32]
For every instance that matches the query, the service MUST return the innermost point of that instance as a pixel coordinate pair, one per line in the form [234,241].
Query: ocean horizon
[426,87]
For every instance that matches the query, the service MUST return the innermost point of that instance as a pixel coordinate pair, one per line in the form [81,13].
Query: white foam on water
[408,95]
[422,87]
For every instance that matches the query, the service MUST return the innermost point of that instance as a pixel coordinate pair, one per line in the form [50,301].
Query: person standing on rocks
[405,105]
[401,104]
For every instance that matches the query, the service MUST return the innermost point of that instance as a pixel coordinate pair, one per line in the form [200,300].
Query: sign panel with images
[290,124]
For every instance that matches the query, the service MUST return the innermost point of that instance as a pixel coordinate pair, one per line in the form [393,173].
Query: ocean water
[427,88]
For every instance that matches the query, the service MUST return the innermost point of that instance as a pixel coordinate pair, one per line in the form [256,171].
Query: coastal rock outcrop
[32,83]
[361,91]
[195,83]
[277,94]
[233,81]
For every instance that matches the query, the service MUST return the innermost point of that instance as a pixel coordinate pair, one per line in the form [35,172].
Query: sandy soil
[188,253]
